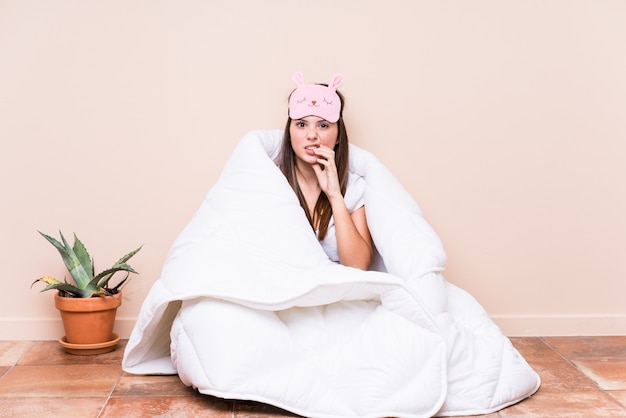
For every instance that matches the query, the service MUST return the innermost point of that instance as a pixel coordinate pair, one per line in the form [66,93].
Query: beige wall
[505,120]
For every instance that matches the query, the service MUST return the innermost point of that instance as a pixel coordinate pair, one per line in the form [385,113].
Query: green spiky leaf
[81,274]
[72,262]
[102,279]
[83,257]
[81,266]
[127,256]
[52,283]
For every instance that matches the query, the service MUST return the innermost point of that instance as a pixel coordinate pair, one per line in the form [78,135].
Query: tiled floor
[581,377]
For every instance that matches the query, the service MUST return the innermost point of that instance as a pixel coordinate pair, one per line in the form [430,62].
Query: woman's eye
[323,125]
[300,124]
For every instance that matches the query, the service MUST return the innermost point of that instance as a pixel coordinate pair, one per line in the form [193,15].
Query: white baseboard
[50,328]
[511,325]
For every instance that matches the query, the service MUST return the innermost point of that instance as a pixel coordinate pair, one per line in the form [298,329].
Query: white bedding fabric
[249,307]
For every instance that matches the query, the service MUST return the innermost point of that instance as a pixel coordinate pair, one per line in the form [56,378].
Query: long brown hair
[287,163]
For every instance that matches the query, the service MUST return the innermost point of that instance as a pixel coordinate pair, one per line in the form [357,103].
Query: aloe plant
[81,267]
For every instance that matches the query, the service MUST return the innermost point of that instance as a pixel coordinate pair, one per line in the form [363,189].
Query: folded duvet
[249,306]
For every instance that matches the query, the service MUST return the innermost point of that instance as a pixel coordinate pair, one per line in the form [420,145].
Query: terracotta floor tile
[589,347]
[179,407]
[51,407]
[562,376]
[534,349]
[12,351]
[619,396]
[571,405]
[609,374]
[51,353]
[38,379]
[136,385]
[251,409]
[59,381]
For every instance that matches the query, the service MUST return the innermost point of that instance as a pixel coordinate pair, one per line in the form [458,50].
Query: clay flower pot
[88,323]
[87,316]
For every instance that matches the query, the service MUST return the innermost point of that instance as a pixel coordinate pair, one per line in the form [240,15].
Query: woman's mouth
[311,149]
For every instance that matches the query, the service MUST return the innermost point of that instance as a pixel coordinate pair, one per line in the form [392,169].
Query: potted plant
[89,305]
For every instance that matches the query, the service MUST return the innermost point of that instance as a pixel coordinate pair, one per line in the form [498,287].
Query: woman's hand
[354,242]
[326,172]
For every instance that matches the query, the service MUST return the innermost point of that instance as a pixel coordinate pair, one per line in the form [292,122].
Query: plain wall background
[504,119]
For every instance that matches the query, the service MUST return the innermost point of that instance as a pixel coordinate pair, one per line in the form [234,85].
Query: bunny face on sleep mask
[315,99]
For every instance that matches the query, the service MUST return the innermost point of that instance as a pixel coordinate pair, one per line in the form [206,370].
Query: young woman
[314,159]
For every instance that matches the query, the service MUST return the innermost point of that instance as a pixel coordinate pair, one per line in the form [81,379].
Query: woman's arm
[354,242]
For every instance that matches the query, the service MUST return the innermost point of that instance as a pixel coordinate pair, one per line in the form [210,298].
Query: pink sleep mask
[315,100]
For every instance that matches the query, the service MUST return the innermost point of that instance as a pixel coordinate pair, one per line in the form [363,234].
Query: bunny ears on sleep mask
[315,99]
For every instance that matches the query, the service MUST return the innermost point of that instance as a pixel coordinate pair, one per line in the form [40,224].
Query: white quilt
[249,307]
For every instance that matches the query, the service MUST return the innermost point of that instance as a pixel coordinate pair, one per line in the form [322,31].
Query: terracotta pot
[88,320]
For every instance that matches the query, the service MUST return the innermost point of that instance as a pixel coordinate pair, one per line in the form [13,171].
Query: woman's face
[309,133]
